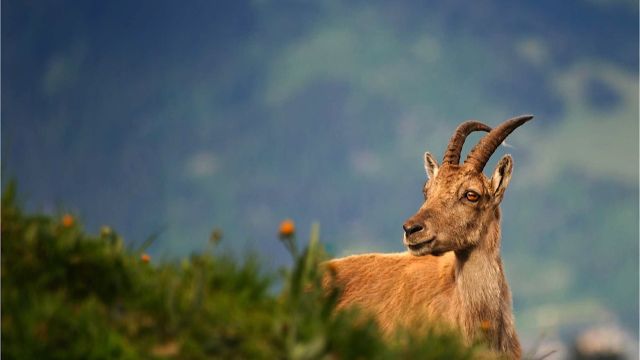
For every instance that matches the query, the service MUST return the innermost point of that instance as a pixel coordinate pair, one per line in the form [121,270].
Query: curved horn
[480,154]
[452,155]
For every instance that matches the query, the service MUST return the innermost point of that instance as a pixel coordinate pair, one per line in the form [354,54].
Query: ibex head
[459,200]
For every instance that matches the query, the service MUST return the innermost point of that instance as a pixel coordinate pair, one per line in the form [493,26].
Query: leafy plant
[67,294]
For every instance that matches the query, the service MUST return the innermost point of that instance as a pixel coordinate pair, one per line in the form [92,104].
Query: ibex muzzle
[460,198]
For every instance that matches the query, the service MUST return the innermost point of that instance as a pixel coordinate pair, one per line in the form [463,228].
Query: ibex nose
[411,228]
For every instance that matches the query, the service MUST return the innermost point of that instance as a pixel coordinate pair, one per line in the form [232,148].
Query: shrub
[67,294]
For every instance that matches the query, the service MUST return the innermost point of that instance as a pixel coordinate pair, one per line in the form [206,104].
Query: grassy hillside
[67,294]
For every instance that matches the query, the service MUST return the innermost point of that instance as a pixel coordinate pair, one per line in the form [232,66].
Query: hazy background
[157,118]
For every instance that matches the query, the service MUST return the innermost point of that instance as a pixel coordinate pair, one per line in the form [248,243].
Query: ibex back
[452,272]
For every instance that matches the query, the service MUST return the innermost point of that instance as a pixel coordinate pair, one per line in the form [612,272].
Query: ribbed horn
[452,155]
[480,154]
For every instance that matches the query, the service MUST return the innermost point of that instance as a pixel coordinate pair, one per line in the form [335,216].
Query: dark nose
[411,228]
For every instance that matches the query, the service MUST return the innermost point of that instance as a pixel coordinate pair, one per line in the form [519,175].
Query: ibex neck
[478,274]
[481,288]
[486,250]
[480,260]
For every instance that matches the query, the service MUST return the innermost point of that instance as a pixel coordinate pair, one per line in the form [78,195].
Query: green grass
[67,294]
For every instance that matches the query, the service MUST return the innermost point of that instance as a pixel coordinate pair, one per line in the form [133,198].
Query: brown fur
[452,273]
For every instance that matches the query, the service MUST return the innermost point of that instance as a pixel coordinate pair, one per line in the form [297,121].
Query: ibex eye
[472,196]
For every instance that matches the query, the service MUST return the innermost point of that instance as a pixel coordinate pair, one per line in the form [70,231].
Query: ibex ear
[430,165]
[501,177]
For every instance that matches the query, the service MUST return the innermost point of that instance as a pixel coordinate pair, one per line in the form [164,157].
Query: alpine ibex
[452,272]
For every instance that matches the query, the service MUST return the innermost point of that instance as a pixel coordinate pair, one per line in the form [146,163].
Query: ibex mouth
[419,246]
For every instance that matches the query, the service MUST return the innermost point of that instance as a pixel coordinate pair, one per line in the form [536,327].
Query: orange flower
[145,258]
[67,220]
[287,228]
